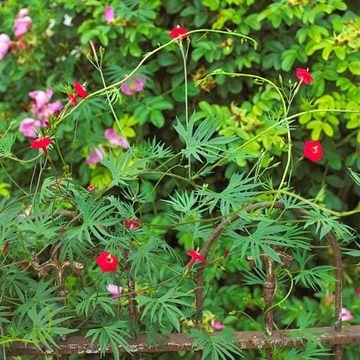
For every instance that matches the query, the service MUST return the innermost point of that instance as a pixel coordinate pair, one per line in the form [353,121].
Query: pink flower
[96,155]
[217,325]
[357,292]
[54,107]
[41,97]
[115,139]
[115,290]
[346,315]
[4,45]
[330,297]
[27,127]
[109,14]
[133,85]
[22,13]
[22,25]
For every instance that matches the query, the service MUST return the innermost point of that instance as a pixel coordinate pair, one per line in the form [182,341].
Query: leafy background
[322,35]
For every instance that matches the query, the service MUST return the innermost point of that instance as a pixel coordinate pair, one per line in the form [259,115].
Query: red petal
[80,90]
[107,262]
[40,143]
[178,31]
[304,76]
[313,151]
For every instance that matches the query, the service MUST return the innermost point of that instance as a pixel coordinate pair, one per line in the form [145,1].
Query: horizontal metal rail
[183,342]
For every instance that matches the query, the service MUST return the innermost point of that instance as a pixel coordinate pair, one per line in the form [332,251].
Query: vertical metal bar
[131,296]
[338,289]
[199,294]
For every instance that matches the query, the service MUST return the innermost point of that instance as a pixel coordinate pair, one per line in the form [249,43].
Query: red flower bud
[6,245]
[132,224]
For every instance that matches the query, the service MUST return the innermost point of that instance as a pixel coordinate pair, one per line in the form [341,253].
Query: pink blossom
[28,126]
[54,107]
[133,85]
[217,325]
[115,290]
[109,14]
[346,315]
[22,25]
[4,45]
[22,13]
[96,155]
[41,97]
[115,139]
[330,297]
[41,108]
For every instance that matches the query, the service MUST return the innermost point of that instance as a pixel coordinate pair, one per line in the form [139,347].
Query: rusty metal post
[131,296]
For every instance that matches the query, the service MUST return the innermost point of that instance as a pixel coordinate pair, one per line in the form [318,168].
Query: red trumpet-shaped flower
[194,256]
[178,32]
[41,143]
[107,262]
[80,91]
[304,76]
[132,224]
[313,150]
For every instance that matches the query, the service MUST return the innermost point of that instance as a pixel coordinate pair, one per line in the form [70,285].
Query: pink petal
[96,155]
[54,107]
[217,325]
[22,13]
[4,45]
[109,14]
[40,97]
[27,127]
[346,314]
[126,89]
[22,26]
[114,289]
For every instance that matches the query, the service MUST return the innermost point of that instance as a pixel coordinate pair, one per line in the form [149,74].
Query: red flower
[194,256]
[72,98]
[313,151]
[62,230]
[107,262]
[132,224]
[41,143]
[304,76]
[91,188]
[178,31]
[226,254]
[6,245]
[79,91]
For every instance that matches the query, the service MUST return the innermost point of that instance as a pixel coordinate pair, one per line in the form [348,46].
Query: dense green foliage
[239,141]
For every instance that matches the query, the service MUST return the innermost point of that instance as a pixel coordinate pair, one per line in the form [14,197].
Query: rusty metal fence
[335,335]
